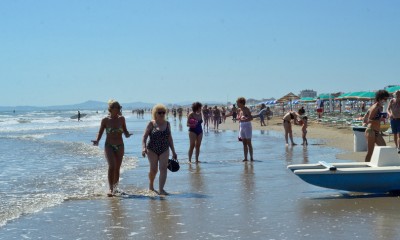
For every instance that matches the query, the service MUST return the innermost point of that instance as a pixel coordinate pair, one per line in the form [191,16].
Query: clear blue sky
[66,52]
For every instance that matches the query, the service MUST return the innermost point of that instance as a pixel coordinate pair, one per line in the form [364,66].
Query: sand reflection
[162,220]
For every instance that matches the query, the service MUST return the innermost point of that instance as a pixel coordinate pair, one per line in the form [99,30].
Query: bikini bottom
[114,147]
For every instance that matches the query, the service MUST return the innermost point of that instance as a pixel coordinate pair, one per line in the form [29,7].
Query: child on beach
[304,130]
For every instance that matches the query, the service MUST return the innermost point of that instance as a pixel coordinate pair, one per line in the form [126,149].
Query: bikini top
[114,130]
[377,116]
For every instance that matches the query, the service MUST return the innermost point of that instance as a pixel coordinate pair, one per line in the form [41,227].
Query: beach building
[308,93]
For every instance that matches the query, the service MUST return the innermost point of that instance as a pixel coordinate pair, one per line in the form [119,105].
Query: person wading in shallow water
[245,128]
[115,126]
[157,149]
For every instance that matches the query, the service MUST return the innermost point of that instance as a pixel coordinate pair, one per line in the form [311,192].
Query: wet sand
[224,198]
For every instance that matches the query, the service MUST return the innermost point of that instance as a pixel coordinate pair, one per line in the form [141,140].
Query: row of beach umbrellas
[358,96]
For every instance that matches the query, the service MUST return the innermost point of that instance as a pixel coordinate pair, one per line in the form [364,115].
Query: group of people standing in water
[157,138]
[157,141]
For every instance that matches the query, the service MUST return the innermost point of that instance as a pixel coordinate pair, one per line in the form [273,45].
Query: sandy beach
[338,136]
[224,198]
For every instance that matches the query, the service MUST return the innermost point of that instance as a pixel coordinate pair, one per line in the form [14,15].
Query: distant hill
[97,105]
[88,105]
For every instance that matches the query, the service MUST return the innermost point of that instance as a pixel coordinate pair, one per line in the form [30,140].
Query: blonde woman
[157,148]
[115,126]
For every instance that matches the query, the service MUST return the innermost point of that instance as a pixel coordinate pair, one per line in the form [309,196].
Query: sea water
[47,158]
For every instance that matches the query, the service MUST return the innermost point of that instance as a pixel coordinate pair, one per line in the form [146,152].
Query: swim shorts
[395,124]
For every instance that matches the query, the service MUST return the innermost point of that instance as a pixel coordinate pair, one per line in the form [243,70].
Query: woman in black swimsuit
[157,149]
[115,126]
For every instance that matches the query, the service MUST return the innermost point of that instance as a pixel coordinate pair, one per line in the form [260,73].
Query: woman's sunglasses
[161,113]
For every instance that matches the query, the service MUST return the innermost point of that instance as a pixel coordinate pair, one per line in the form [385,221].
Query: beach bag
[173,165]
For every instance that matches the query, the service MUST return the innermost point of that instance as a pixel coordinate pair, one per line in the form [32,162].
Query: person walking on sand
[394,115]
[268,114]
[115,126]
[373,132]
[157,149]
[262,113]
[287,125]
[195,130]
[320,107]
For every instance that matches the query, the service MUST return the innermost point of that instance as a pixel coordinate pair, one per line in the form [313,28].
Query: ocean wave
[78,179]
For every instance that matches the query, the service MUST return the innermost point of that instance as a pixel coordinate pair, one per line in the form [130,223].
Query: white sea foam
[47,158]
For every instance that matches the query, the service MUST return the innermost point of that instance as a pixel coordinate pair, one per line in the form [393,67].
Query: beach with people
[275,111]
[219,197]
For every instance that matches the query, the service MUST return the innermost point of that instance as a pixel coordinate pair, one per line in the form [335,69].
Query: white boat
[381,175]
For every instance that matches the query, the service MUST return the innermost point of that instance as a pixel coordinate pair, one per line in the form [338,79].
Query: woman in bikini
[287,125]
[394,115]
[373,131]
[157,149]
[195,130]
[115,126]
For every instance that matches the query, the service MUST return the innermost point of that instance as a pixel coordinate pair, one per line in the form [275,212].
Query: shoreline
[223,197]
[337,136]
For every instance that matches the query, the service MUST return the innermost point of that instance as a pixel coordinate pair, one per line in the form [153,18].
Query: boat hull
[381,175]
[369,182]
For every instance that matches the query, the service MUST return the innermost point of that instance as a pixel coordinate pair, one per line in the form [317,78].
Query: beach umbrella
[343,96]
[366,96]
[352,96]
[325,96]
[392,89]
[288,98]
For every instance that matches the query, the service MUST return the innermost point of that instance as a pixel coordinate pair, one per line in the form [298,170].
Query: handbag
[173,165]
